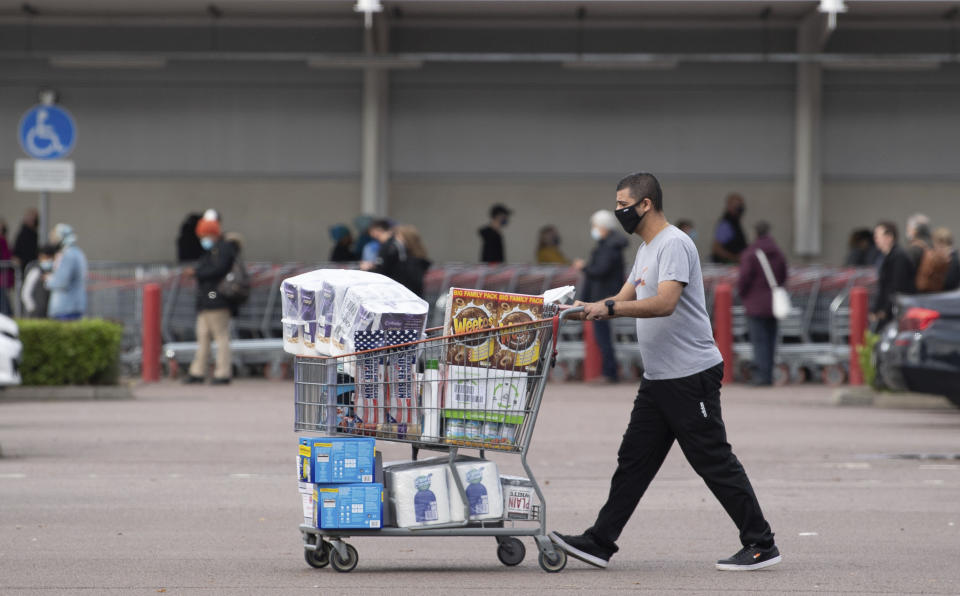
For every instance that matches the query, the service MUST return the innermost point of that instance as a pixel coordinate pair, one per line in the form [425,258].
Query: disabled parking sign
[47,132]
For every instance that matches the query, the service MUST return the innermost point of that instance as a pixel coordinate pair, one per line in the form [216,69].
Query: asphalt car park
[193,490]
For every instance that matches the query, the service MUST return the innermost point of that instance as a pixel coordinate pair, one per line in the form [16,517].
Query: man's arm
[627,305]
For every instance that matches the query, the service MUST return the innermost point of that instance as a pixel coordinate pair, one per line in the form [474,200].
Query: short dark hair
[48,250]
[499,209]
[889,228]
[922,233]
[643,186]
[381,224]
[762,228]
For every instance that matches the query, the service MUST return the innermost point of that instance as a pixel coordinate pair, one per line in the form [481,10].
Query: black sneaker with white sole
[750,558]
[583,547]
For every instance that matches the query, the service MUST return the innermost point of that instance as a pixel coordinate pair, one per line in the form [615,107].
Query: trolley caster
[781,375]
[344,565]
[510,551]
[555,563]
[320,558]
[834,375]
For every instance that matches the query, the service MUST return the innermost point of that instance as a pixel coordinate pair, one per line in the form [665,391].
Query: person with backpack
[217,301]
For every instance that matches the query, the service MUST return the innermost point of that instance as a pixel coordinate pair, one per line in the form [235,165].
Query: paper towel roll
[420,496]
[481,479]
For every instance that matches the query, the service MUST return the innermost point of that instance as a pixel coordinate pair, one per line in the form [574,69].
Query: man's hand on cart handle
[592,311]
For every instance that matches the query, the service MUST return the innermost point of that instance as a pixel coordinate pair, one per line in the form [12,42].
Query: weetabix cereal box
[472,311]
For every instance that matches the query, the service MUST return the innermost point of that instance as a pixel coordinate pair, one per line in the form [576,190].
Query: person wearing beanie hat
[213,310]
[603,276]
[342,241]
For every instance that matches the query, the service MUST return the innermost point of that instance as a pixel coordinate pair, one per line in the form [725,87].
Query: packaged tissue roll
[418,494]
[373,307]
[308,302]
[481,482]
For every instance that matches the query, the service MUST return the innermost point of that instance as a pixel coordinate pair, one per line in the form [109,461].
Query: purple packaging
[290,298]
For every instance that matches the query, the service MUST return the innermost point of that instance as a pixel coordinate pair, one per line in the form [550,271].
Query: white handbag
[781,299]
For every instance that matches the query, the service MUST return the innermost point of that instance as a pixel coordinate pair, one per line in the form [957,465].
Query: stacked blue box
[348,506]
[337,460]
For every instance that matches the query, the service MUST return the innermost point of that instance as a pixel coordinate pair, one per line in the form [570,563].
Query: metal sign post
[48,135]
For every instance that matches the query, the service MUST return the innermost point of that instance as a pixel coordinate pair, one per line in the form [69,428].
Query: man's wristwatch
[609,304]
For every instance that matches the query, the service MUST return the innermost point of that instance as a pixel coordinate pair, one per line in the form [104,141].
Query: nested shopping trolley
[473,391]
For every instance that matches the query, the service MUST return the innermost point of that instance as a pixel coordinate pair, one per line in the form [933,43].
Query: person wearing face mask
[491,248]
[602,277]
[68,280]
[729,241]
[34,295]
[679,395]
[213,309]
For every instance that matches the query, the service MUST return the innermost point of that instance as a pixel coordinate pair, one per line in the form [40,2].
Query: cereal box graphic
[470,311]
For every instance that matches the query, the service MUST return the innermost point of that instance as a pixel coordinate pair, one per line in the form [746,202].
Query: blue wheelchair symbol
[47,132]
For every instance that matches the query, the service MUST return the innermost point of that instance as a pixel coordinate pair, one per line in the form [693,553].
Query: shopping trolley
[432,395]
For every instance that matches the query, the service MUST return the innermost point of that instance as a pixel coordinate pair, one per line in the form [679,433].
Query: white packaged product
[308,304]
[481,481]
[518,498]
[486,394]
[419,495]
[389,306]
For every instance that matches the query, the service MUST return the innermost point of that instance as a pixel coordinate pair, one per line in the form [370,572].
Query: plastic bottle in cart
[477,493]
[425,502]
[430,400]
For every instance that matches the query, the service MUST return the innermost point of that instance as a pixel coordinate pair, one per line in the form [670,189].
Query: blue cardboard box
[337,459]
[348,506]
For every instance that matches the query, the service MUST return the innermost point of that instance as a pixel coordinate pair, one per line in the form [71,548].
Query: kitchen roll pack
[413,488]
[419,494]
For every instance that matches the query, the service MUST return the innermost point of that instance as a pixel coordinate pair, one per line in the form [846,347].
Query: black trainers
[584,548]
[192,380]
[750,558]
[218,381]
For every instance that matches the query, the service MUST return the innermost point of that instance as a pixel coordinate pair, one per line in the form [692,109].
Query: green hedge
[69,353]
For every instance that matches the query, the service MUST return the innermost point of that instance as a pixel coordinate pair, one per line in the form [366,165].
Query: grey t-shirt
[682,344]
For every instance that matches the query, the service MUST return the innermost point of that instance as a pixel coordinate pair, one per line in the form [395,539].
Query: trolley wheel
[834,375]
[802,375]
[344,565]
[511,551]
[781,375]
[555,563]
[320,558]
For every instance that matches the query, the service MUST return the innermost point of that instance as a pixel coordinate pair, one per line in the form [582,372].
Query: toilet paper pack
[374,307]
[480,479]
[308,303]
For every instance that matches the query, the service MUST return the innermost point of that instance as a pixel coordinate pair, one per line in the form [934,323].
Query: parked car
[10,350]
[921,350]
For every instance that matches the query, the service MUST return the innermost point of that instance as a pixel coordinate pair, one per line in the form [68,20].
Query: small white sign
[39,175]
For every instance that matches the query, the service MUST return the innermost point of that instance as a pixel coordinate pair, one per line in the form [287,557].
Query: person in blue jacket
[68,281]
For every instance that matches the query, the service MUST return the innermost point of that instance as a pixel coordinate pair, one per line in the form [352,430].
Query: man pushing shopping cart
[679,395]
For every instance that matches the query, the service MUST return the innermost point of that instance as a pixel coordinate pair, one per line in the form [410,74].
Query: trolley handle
[557,320]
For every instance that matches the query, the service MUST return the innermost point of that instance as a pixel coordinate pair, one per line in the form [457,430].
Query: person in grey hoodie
[603,276]
[68,281]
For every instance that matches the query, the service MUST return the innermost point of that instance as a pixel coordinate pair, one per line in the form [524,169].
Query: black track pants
[688,410]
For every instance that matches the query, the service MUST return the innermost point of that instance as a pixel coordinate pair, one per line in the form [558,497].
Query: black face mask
[629,218]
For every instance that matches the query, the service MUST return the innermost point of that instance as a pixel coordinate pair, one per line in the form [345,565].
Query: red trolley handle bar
[557,320]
